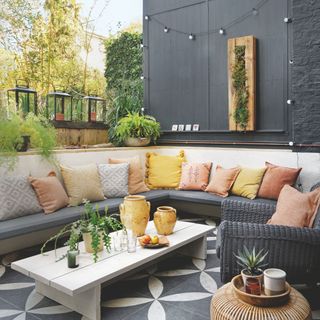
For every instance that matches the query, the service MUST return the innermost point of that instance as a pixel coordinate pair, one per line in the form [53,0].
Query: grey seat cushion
[40,221]
[195,196]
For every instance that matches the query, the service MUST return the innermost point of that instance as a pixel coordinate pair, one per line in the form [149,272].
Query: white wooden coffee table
[80,289]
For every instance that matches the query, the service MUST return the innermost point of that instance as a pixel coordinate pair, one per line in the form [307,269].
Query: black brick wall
[305,72]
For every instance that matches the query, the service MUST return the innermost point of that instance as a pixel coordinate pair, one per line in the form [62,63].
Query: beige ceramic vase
[135,214]
[165,219]
[88,240]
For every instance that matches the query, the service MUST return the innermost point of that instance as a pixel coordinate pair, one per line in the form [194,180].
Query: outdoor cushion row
[37,222]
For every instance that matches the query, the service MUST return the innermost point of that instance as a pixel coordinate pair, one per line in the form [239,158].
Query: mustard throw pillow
[248,182]
[82,182]
[163,172]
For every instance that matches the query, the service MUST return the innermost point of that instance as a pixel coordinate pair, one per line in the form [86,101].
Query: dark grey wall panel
[187,80]
[178,78]
[306,71]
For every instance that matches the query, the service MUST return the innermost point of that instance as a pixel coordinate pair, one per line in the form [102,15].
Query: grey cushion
[195,196]
[17,198]
[37,222]
[114,179]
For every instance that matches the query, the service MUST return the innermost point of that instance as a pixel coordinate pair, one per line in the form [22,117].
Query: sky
[123,11]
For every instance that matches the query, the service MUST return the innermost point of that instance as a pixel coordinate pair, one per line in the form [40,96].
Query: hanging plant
[239,83]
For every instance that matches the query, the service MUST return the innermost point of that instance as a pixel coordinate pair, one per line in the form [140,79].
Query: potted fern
[252,274]
[137,130]
[92,227]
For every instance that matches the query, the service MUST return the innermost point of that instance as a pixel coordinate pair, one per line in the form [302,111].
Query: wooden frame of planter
[249,42]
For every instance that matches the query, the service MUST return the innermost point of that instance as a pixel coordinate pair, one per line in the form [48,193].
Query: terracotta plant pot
[88,240]
[165,219]
[135,214]
[137,142]
[252,283]
[59,116]
[93,116]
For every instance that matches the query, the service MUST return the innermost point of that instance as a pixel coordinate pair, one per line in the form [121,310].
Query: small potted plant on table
[137,130]
[252,274]
[94,229]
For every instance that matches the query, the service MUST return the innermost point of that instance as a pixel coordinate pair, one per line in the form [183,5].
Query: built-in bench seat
[196,202]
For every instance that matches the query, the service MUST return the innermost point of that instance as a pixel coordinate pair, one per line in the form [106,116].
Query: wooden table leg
[196,249]
[86,303]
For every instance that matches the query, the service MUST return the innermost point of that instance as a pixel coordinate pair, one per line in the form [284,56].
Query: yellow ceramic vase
[88,240]
[165,219]
[135,214]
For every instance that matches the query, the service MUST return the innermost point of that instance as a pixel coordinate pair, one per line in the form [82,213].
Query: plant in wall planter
[17,134]
[239,77]
[252,274]
[94,229]
[137,130]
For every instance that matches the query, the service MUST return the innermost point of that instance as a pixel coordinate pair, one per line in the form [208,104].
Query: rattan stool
[225,305]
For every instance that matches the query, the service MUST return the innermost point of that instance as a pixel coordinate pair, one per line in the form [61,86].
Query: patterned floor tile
[176,288]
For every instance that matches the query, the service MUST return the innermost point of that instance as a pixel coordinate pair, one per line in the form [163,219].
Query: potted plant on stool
[137,130]
[252,274]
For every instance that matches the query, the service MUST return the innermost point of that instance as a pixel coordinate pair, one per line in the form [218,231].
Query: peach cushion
[222,181]
[195,176]
[274,180]
[296,209]
[50,192]
[136,176]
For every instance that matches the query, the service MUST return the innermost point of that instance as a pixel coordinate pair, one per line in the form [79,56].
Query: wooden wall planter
[80,133]
[249,42]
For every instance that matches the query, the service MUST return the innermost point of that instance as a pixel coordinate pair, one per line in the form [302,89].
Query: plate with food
[153,242]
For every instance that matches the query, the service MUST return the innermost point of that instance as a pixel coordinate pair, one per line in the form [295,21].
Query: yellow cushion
[163,172]
[82,182]
[248,182]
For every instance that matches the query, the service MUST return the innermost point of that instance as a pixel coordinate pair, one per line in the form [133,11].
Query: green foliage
[239,82]
[124,59]
[99,227]
[128,99]
[135,125]
[42,137]
[251,261]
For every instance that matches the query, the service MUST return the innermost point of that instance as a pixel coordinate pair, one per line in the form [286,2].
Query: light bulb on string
[146,17]
[166,30]
[287,20]
[255,12]
[192,36]
[221,31]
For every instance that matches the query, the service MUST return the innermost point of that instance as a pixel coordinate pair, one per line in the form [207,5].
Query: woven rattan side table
[225,305]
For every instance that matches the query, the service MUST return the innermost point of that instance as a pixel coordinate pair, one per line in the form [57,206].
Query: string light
[223,29]
[287,20]
[143,78]
[291,61]
[290,102]
[143,46]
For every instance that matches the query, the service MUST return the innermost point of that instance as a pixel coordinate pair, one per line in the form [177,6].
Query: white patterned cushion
[114,179]
[17,198]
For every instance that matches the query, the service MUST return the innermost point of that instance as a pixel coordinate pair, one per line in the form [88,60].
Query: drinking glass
[131,241]
[117,241]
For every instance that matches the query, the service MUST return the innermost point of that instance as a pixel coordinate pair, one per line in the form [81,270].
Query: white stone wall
[32,164]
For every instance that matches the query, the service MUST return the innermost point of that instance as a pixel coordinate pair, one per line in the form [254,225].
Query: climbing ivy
[239,82]
[123,59]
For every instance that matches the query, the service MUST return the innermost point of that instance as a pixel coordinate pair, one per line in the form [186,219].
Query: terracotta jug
[165,219]
[135,214]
